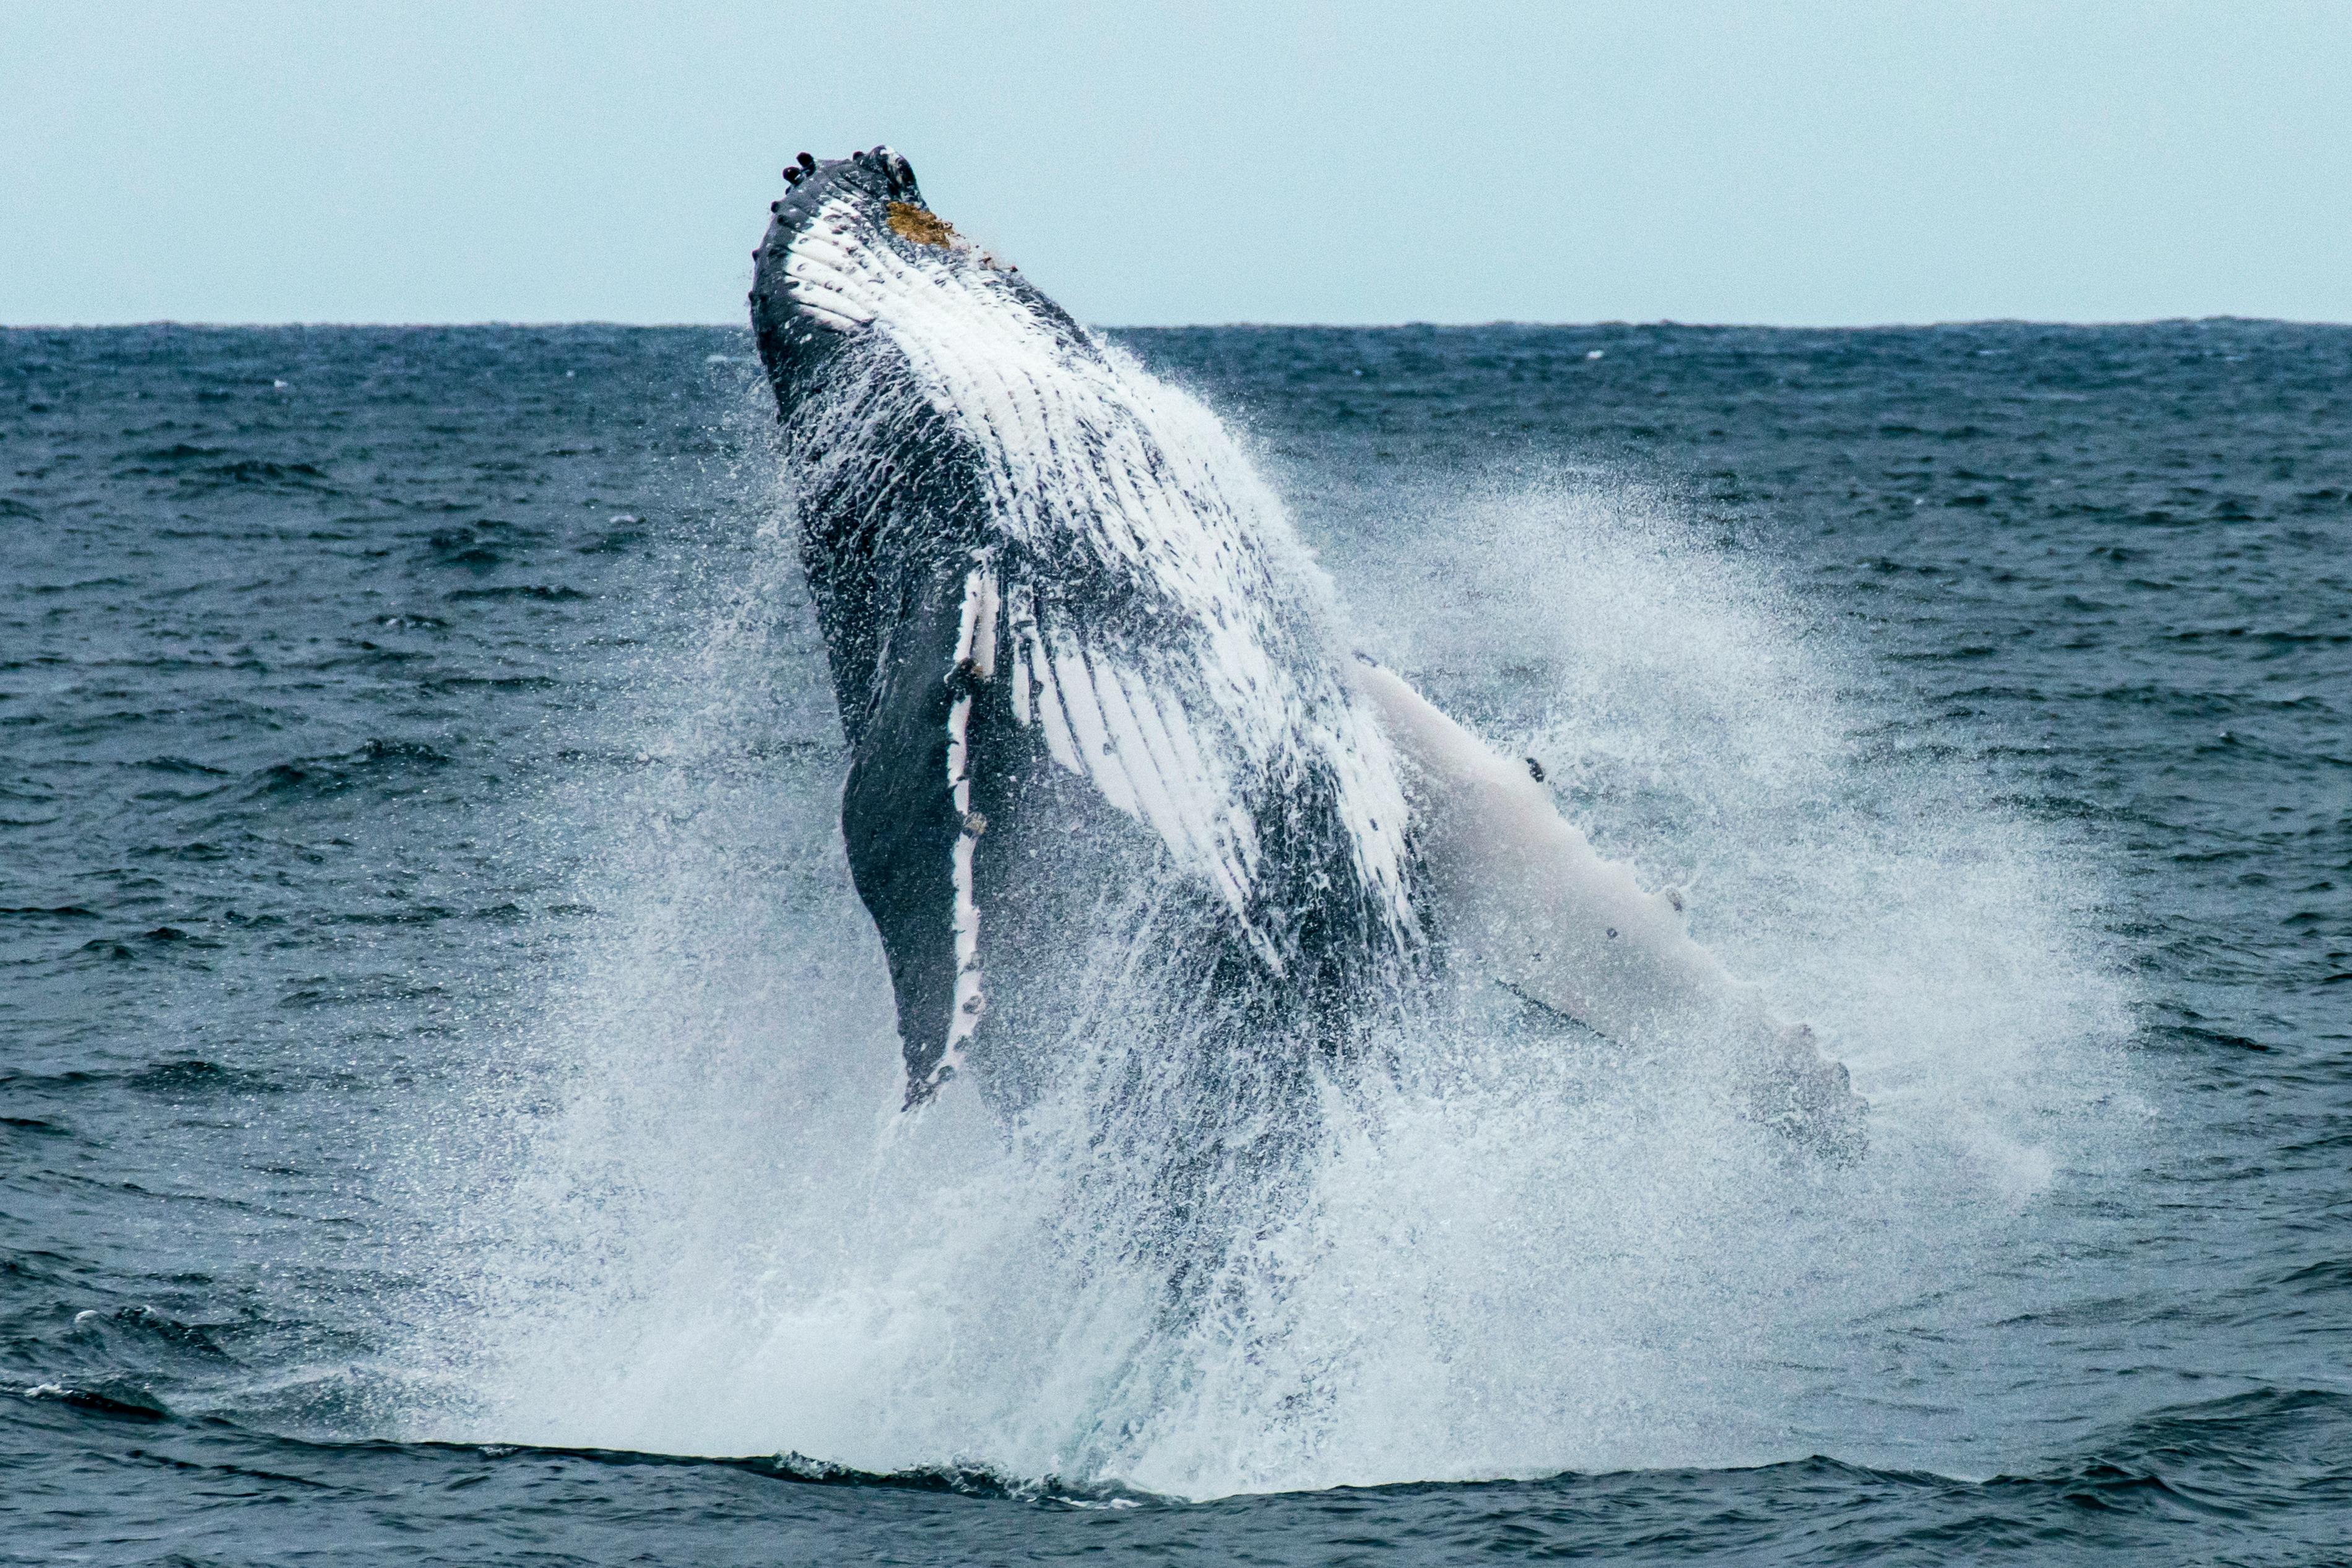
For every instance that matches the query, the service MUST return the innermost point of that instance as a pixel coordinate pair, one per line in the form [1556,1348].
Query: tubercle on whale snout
[880,174]
[892,166]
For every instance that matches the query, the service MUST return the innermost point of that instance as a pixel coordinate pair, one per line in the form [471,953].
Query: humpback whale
[1097,701]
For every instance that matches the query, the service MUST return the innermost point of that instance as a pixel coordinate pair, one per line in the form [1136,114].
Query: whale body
[1099,710]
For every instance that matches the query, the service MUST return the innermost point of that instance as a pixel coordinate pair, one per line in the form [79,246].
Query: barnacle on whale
[920,224]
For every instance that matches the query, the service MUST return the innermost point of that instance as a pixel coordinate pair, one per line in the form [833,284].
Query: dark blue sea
[448,1083]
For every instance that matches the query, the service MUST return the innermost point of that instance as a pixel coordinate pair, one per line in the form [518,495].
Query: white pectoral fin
[1526,900]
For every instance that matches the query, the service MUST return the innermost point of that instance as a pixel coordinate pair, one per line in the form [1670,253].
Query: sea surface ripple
[312,642]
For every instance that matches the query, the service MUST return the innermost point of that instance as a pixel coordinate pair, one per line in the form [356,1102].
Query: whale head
[855,258]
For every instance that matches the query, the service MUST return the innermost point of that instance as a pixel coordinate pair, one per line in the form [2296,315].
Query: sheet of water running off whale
[1111,750]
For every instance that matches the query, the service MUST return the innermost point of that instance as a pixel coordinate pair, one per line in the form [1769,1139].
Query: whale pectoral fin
[1522,898]
[901,826]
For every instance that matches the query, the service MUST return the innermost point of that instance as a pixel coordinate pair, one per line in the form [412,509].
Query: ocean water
[448,1083]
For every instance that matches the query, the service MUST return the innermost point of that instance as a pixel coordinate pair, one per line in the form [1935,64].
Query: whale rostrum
[1097,703]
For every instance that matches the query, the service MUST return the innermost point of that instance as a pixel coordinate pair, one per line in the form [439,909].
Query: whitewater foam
[701,1227]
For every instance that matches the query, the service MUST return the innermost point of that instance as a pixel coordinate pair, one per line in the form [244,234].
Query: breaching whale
[1095,696]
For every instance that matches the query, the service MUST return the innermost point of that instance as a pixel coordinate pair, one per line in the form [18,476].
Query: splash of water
[708,1230]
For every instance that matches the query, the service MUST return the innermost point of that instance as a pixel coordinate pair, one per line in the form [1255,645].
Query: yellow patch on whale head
[920,224]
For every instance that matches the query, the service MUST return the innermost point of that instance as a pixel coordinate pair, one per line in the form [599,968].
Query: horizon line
[1667,321]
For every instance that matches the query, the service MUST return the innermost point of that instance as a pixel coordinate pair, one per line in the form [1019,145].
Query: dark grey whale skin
[1067,881]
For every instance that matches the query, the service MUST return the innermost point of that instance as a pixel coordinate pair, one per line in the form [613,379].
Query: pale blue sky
[1205,162]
